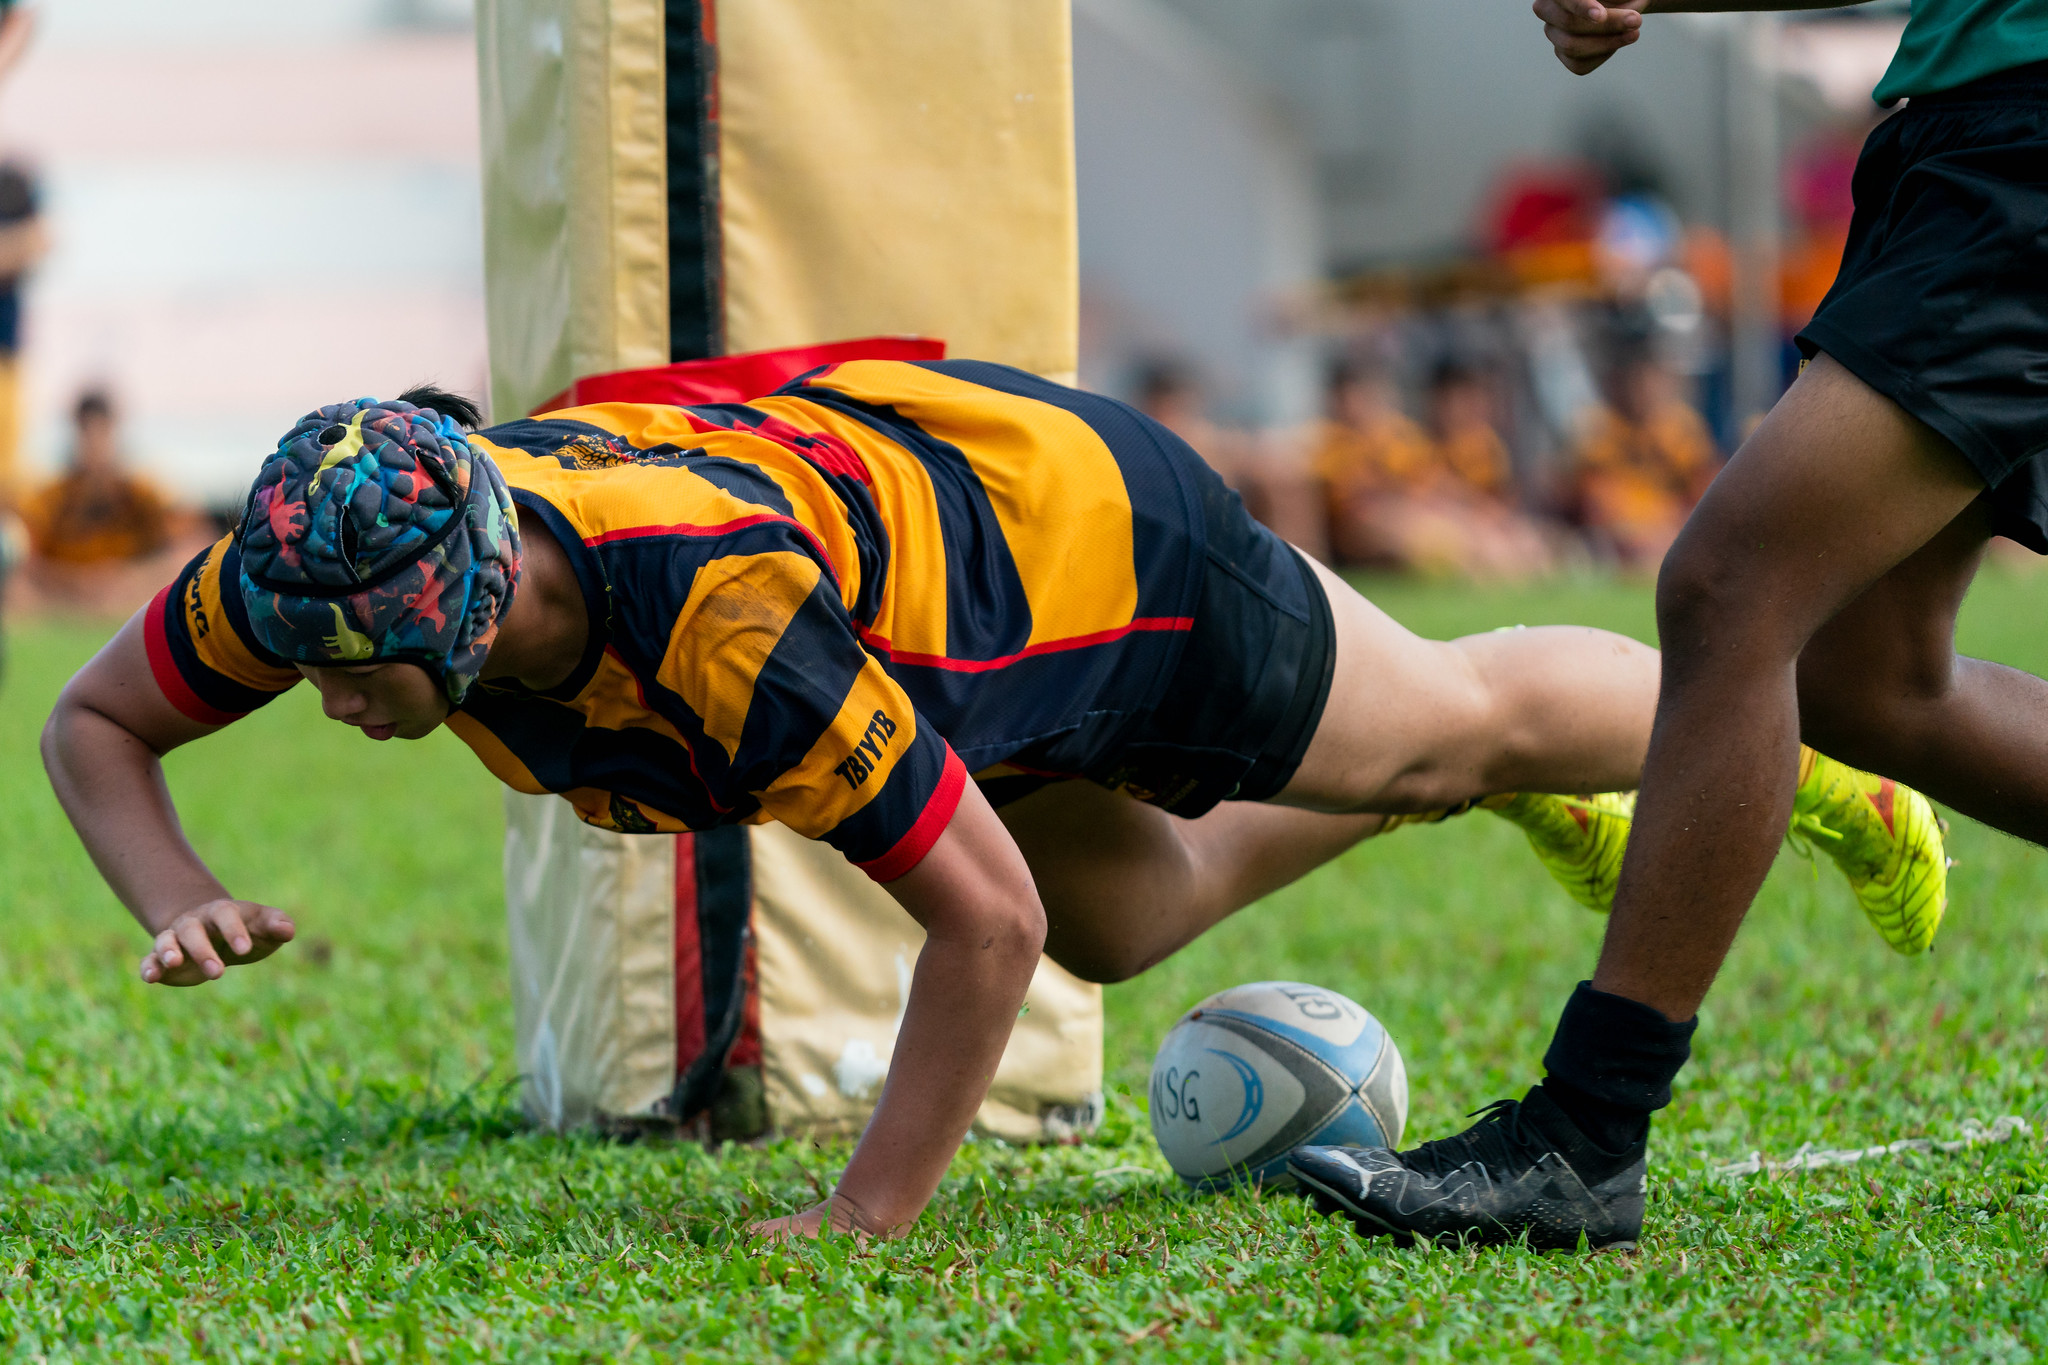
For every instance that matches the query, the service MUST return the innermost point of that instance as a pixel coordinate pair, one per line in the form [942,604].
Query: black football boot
[1523,1169]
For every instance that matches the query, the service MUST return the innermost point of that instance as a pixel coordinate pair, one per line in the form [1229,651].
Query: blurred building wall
[1410,110]
[256,207]
[1200,227]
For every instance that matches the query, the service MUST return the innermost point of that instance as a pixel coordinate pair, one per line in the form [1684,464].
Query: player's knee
[1709,599]
[1691,597]
[1102,962]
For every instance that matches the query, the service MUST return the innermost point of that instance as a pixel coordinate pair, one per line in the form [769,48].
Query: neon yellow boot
[1578,839]
[1885,838]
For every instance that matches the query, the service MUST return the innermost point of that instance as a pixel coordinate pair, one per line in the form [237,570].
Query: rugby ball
[1250,1074]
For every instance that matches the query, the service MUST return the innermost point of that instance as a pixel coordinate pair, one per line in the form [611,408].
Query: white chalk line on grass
[1810,1157]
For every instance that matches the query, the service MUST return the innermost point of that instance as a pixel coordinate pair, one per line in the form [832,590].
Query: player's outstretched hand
[200,945]
[1586,33]
[837,1215]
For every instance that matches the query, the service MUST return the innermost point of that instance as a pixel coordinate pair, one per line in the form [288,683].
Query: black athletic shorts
[1253,676]
[1942,300]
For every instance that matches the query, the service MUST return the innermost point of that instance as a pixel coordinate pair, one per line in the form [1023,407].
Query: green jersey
[1950,42]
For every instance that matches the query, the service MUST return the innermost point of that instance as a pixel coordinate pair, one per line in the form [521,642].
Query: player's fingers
[1585,17]
[198,945]
[1570,12]
[225,919]
[269,922]
[168,954]
[185,973]
[1585,47]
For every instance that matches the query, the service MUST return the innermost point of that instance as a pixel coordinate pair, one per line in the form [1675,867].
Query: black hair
[1347,370]
[1165,377]
[1454,370]
[457,409]
[92,403]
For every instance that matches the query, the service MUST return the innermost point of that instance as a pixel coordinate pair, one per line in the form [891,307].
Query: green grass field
[322,1158]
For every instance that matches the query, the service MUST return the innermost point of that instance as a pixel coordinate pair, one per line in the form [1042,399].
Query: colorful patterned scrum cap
[376,532]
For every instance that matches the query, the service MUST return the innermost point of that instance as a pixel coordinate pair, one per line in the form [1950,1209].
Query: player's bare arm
[103,747]
[984,927]
[1585,33]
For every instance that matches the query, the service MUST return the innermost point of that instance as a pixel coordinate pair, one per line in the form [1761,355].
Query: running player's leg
[1837,486]
[1881,686]
[1414,724]
[1835,489]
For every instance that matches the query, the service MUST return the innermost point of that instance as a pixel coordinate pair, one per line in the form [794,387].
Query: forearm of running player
[102,748]
[1585,33]
[1745,6]
[985,930]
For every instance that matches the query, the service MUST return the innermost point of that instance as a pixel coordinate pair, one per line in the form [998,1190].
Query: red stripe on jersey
[684,528]
[169,680]
[938,813]
[1100,637]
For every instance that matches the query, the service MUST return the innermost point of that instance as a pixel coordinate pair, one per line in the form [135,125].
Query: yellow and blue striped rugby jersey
[825,607]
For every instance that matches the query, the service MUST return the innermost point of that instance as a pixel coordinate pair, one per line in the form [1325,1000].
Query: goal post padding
[675,180]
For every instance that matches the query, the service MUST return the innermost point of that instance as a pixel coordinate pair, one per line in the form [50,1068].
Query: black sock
[1610,1065]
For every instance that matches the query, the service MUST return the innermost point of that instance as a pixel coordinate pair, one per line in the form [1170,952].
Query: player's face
[384,701]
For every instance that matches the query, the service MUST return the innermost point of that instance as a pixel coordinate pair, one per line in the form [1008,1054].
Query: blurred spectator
[1369,447]
[1435,501]
[97,513]
[1270,472]
[1643,460]
[1171,395]
[22,244]
[1472,457]
[1817,190]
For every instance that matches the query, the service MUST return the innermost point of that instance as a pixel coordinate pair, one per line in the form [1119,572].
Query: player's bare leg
[1414,724]
[1411,725]
[1835,489]
[1881,686]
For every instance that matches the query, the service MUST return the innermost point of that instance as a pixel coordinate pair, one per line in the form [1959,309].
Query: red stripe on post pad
[164,668]
[938,813]
[734,378]
[689,955]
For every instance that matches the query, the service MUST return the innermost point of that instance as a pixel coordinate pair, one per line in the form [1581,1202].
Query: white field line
[1810,1158]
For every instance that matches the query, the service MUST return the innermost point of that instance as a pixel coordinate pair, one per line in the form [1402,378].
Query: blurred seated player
[1642,461]
[1434,501]
[96,513]
[1369,455]
[1012,648]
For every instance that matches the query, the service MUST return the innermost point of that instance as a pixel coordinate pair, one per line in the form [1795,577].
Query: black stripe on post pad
[696,273]
[725,909]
